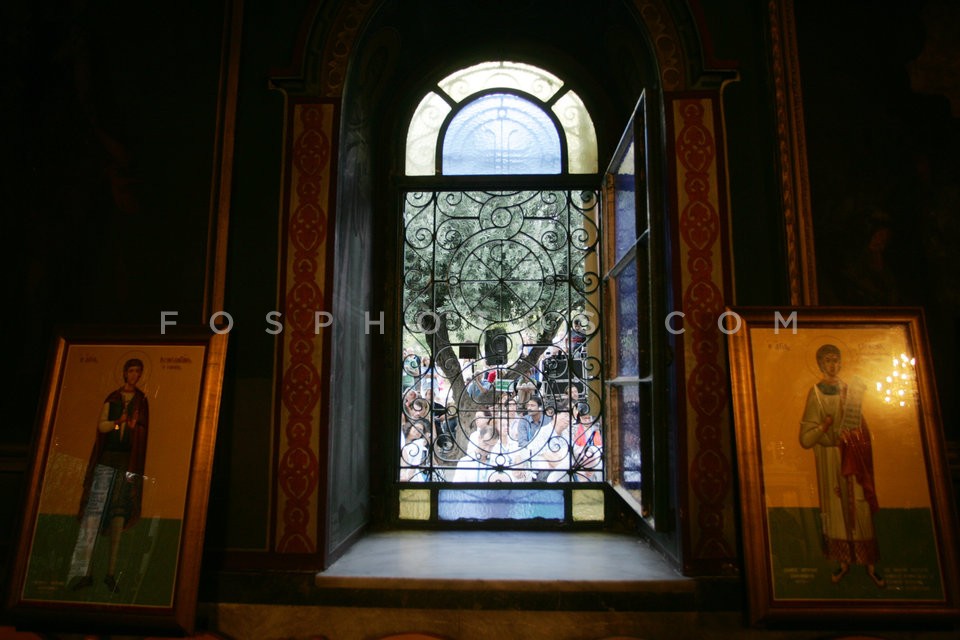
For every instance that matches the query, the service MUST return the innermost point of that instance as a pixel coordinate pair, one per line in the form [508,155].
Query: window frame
[654,379]
[563,180]
[656,510]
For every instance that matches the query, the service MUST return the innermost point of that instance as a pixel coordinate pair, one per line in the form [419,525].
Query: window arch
[500,301]
[500,133]
[471,89]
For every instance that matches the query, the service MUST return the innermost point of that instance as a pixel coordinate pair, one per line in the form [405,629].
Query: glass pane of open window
[631,376]
[623,171]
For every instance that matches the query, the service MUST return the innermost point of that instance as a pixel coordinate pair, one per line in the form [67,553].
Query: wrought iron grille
[501,334]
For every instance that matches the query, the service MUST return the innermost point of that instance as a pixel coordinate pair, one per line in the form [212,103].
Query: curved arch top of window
[501,134]
[423,134]
[546,91]
[578,128]
[501,75]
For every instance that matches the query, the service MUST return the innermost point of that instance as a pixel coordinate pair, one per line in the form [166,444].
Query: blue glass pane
[625,199]
[501,134]
[629,431]
[628,333]
[489,504]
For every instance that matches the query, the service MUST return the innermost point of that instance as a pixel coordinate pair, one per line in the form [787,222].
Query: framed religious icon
[844,487]
[112,532]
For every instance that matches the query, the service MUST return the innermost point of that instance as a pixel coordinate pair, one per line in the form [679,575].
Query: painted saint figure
[113,482]
[833,426]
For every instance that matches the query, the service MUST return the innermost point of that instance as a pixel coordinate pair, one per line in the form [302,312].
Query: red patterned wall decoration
[703,286]
[303,272]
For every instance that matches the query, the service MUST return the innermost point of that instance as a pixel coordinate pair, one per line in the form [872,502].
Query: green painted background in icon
[146,568]
[908,558]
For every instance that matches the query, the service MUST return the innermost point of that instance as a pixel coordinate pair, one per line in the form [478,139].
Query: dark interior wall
[107,123]
[738,39]
[878,80]
[107,118]
[238,519]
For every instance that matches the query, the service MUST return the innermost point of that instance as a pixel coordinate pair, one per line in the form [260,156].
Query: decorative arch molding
[671,56]
[332,27]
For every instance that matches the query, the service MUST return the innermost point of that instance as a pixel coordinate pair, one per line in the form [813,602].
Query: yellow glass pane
[414,504]
[587,505]
[421,156]
[422,135]
[501,75]
[581,135]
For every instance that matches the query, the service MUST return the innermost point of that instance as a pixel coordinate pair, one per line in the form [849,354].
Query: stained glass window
[532,97]
[537,82]
[634,311]
[500,134]
[501,386]
[423,134]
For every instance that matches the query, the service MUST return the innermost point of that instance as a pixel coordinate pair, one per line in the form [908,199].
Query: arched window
[500,108]
[501,411]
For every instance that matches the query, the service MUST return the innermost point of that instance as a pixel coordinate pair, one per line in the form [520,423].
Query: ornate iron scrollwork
[501,310]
